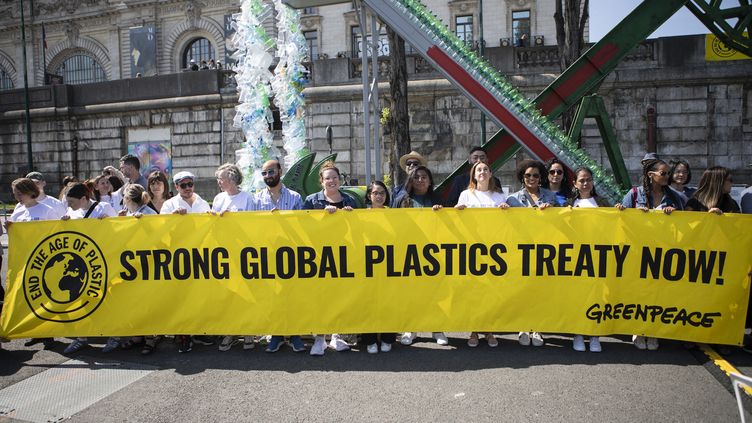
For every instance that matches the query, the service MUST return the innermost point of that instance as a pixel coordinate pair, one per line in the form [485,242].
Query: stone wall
[704,115]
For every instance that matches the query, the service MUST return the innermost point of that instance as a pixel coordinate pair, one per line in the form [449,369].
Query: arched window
[198,50]
[6,83]
[81,69]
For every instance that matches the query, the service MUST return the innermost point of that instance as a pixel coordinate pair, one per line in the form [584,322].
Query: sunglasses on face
[555,172]
[532,176]
[185,185]
[270,172]
[661,173]
[410,163]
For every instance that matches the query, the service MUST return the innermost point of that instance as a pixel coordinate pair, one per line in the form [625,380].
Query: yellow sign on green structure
[716,50]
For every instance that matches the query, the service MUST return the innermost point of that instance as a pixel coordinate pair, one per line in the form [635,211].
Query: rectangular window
[309,10]
[521,28]
[312,41]
[464,28]
[357,42]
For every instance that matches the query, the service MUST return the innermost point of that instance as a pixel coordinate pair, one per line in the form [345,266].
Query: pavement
[422,382]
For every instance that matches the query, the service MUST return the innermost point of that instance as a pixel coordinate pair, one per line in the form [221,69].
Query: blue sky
[605,14]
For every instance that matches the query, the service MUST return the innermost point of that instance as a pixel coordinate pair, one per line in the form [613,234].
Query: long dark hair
[710,188]
[566,185]
[650,166]
[409,186]
[577,171]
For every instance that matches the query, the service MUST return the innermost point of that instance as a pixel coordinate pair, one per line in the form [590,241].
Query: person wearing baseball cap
[407,162]
[56,205]
[186,200]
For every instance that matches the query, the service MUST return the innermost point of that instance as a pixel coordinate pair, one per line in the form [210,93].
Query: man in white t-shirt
[56,205]
[186,201]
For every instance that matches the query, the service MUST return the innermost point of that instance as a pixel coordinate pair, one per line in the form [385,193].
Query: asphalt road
[423,382]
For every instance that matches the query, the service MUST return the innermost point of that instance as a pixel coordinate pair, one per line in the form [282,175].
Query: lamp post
[29,159]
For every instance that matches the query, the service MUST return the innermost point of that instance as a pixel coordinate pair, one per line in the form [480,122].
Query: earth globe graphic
[65,277]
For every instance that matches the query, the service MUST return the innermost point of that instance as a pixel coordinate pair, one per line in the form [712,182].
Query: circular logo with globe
[65,278]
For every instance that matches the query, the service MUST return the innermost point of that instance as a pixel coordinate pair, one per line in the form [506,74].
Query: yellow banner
[586,271]
[716,50]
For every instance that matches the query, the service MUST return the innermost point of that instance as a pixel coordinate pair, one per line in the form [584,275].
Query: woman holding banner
[331,199]
[530,173]
[556,181]
[586,197]
[713,192]
[482,192]
[231,199]
[654,193]
[25,191]
[81,206]
[377,197]
[419,193]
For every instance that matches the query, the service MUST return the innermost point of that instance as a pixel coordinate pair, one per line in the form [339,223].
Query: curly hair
[527,164]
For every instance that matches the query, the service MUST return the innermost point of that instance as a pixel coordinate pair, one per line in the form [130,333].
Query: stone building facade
[703,109]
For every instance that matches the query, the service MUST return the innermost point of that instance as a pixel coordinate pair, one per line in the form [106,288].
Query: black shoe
[33,341]
[184,344]
[203,339]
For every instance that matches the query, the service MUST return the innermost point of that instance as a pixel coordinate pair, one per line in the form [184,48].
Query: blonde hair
[233,173]
[137,194]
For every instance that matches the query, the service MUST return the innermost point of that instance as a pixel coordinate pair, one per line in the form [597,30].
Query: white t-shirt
[102,209]
[55,204]
[113,200]
[39,212]
[481,199]
[241,201]
[585,202]
[177,202]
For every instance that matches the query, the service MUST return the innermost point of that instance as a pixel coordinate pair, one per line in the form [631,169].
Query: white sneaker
[578,343]
[337,343]
[248,343]
[386,347]
[652,344]
[408,338]
[639,342]
[524,339]
[537,339]
[373,348]
[595,344]
[440,338]
[319,345]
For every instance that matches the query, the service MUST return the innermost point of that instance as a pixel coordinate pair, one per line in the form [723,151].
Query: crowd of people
[126,192]
[204,65]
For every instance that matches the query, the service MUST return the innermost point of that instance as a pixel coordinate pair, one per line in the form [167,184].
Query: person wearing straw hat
[407,162]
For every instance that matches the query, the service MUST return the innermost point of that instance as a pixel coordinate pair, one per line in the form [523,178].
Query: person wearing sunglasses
[557,181]
[186,200]
[408,163]
[530,173]
[653,194]
[276,196]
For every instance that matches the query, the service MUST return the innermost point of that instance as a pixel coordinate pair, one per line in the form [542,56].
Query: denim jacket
[670,198]
[317,201]
[520,199]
